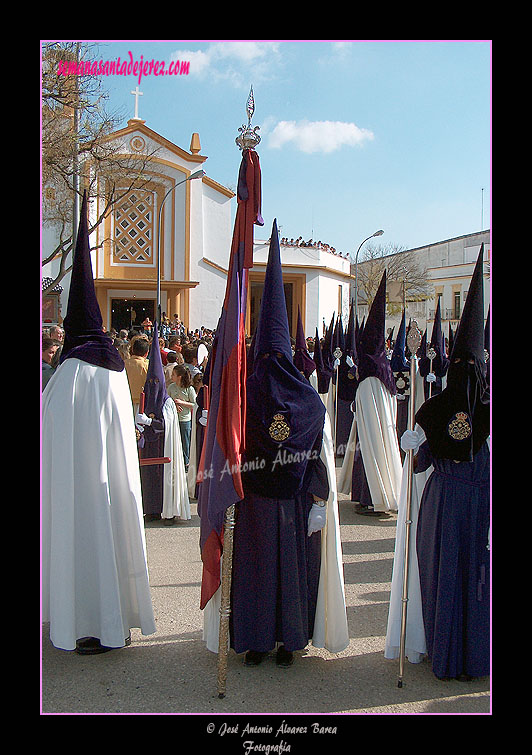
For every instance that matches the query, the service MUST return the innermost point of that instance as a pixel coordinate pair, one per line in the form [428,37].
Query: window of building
[133,229]
[456,313]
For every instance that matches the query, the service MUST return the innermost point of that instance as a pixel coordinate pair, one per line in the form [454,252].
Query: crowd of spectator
[285,241]
[178,345]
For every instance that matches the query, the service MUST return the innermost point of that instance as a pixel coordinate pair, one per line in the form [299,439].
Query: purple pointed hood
[155,392]
[284,414]
[83,324]
[302,359]
[324,369]
[399,362]
[440,363]
[272,333]
[457,421]
[372,359]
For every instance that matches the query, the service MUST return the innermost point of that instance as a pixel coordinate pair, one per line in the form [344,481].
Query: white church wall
[217,230]
[210,245]
[328,300]
[207,298]
[175,230]
[312,299]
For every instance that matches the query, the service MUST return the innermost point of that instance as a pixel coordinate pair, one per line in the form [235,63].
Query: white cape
[420,387]
[175,491]
[94,562]
[376,411]
[415,646]
[327,398]
[330,625]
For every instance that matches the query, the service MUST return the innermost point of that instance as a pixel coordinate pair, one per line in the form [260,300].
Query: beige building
[178,232]
[449,265]
[173,229]
[186,225]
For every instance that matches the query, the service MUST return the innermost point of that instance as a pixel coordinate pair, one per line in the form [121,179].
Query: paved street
[171,672]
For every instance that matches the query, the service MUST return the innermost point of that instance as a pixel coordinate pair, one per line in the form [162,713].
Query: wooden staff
[413,340]
[154,460]
[225,605]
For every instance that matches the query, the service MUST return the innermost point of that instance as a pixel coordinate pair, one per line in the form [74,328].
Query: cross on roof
[136,92]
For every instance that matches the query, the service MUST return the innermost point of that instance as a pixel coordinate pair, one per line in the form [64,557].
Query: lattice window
[133,229]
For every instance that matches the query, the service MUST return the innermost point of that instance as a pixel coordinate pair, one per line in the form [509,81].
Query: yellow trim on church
[141,275]
[139,125]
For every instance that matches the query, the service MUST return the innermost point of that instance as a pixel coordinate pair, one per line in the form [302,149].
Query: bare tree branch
[400,265]
[104,171]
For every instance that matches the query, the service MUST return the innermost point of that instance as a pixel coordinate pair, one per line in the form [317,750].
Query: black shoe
[366,511]
[90,646]
[284,657]
[254,658]
[169,522]
[93,646]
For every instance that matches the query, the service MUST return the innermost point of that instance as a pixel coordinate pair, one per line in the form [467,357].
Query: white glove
[431,377]
[203,419]
[410,440]
[142,419]
[316,518]
[349,361]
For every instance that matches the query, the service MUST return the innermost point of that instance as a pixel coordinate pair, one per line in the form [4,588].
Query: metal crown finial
[413,339]
[248,138]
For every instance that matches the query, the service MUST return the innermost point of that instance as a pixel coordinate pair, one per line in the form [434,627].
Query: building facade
[316,283]
[173,236]
[168,237]
[449,266]
[170,241]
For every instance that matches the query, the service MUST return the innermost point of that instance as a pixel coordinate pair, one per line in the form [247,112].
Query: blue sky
[356,135]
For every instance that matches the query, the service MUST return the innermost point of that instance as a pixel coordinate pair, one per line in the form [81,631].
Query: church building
[170,242]
[173,235]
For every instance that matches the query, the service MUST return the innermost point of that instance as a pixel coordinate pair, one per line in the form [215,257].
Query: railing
[446,314]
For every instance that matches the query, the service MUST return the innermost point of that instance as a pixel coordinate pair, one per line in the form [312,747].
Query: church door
[130,313]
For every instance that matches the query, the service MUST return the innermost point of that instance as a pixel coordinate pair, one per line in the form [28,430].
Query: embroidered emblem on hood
[279,429]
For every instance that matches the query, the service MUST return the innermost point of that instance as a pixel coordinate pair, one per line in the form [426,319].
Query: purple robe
[276,568]
[359,482]
[152,475]
[454,563]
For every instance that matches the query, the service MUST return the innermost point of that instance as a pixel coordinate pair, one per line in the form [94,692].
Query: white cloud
[337,53]
[246,52]
[199,61]
[239,61]
[341,48]
[318,136]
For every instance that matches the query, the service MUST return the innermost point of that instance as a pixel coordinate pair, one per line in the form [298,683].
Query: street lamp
[197,174]
[377,233]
